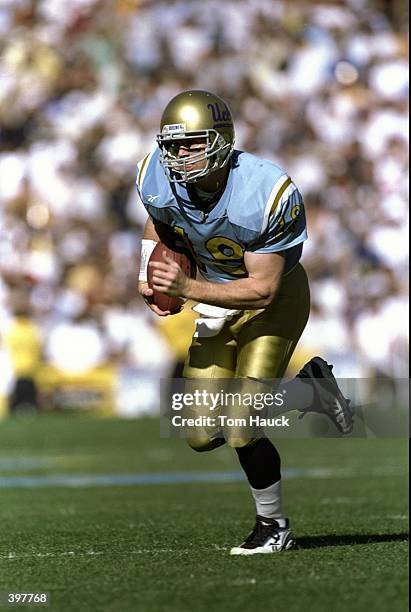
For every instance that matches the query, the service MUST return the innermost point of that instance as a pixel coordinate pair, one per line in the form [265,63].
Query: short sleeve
[284,225]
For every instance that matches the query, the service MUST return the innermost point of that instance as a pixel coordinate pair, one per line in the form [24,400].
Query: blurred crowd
[321,88]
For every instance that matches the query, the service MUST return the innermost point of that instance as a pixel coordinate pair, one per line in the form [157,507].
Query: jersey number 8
[227,254]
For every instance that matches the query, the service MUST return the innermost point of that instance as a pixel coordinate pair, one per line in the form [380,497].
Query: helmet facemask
[216,155]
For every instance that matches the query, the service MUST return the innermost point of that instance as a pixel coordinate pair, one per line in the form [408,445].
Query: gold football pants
[255,344]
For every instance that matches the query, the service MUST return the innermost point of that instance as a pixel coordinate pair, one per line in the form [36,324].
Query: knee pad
[240,442]
[202,445]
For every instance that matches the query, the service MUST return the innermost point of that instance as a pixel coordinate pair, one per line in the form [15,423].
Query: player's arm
[256,291]
[150,233]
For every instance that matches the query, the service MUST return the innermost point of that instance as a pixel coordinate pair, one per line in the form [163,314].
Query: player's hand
[147,295]
[168,277]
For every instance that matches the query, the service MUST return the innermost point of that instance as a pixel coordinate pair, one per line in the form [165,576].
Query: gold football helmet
[195,115]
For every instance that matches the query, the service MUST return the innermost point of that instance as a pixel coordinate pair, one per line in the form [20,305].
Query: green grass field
[164,547]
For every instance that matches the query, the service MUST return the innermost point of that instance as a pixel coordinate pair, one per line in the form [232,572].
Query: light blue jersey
[260,211]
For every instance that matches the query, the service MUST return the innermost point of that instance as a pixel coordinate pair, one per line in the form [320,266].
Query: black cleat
[266,537]
[328,398]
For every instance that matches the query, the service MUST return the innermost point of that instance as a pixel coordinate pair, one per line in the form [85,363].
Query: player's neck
[215,182]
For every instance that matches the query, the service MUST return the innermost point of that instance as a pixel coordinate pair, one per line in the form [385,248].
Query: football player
[243,220]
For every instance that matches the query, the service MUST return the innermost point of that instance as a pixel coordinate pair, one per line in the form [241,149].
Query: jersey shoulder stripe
[278,195]
[284,187]
[142,168]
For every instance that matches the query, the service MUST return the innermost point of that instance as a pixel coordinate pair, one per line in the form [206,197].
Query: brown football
[187,264]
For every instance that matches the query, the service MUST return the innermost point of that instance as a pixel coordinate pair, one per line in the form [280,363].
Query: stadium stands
[320,88]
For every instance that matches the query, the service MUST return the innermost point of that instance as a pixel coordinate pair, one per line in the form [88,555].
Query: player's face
[191,148]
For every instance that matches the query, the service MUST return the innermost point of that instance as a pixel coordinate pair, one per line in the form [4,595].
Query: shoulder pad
[256,184]
[152,184]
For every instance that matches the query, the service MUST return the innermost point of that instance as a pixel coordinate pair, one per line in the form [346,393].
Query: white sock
[268,502]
